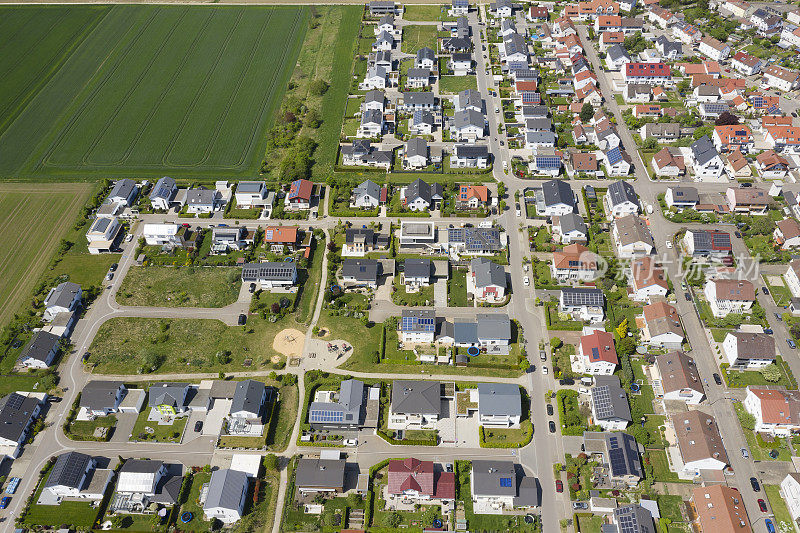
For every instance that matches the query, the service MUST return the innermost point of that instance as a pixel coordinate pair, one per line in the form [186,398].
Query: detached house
[597,354]
[163,193]
[650,73]
[787,233]
[75,476]
[751,200]
[682,197]
[486,280]
[361,273]
[225,497]
[665,163]
[367,195]
[582,303]
[617,162]
[470,156]
[679,377]
[777,412]
[609,403]
[729,296]
[417,326]
[271,274]
[499,405]
[746,64]
[251,194]
[419,196]
[101,398]
[575,263]
[17,414]
[720,508]
[40,350]
[729,138]
[63,298]
[661,326]
[419,481]
[299,196]
[699,443]
[495,485]
[618,452]
[771,165]
[632,237]
[647,280]
[415,404]
[714,49]
[570,228]
[706,162]
[557,199]
[472,196]
[746,351]
[713,244]
[621,199]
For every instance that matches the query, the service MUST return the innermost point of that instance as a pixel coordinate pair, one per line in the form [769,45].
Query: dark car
[688,297]
[198,426]
[738,235]
[550,409]
[53,399]
[762,505]
[552,426]
[768,331]
[791,344]
[755,485]
[717,379]
[566,381]
[559,486]
[252,288]
[5,501]
[765,290]
[745,185]
[113,267]
[778,317]
[242,320]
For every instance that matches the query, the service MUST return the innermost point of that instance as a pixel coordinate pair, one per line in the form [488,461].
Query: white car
[544,370]
[669,245]
[526,281]
[351,442]
[129,237]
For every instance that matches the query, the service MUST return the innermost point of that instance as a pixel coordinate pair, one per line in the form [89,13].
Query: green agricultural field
[34,219]
[163,286]
[124,90]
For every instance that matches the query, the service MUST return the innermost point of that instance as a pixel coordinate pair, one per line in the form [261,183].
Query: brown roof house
[749,351]
[777,412]
[680,380]
[412,479]
[787,233]
[751,200]
[720,508]
[726,296]
[665,163]
[699,443]
[660,326]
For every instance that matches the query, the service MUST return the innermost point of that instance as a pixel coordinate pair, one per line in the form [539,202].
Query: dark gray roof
[68,470]
[16,411]
[704,150]
[164,188]
[620,192]
[457,43]
[475,240]
[616,51]
[419,98]
[610,400]
[472,151]
[173,394]
[415,73]
[572,222]
[351,235]
[499,399]
[361,269]
[350,405]
[122,189]
[250,186]
[495,326]
[372,116]
[668,46]
[141,466]
[487,272]
[463,331]
[315,473]
[462,56]
[248,397]
[468,117]
[417,146]
[528,493]
[621,452]
[374,96]
[100,225]
[423,117]
[634,519]
[41,346]
[540,137]
[63,295]
[515,44]
[535,111]
[426,53]
[685,194]
[271,270]
[538,124]
[489,478]
[421,189]
[100,394]
[417,268]
[416,397]
[200,197]
[582,296]
[557,192]
[368,188]
[469,98]
[225,489]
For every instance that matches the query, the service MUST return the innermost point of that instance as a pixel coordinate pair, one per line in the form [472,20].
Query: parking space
[215,417]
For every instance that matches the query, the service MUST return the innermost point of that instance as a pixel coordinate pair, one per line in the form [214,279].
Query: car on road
[526,281]
[53,399]
[778,317]
[738,235]
[688,296]
[684,286]
[754,484]
[351,442]
[791,344]
[242,320]
[198,426]
[745,453]
[669,245]
[113,267]
[109,276]
[551,426]
[559,486]
[5,501]
[770,525]
[550,409]
[542,355]
[717,379]
[768,331]
[765,290]
[129,237]
[12,485]
[544,370]
[762,505]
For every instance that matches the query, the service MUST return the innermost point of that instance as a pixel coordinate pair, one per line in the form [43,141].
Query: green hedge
[407,442]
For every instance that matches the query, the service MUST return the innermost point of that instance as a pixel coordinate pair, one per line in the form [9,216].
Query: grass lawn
[759,450]
[75,514]
[84,429]
[780,293]
[426,13]
[671,506]
[180,286]
[139,91]
[127,345]
[416,37]
[661,471]
[192,504]
[456,84]
[741,379]
[764,246]
[589,523]
[160,433]
[508,438]
[554,323]
[424,296]
[310,287]
[457,289]
[778,506]
[719,334]
[34,219]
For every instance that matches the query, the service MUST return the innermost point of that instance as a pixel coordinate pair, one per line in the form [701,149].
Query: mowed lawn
[124,90]
[33,220]
[162,286]
[418,36]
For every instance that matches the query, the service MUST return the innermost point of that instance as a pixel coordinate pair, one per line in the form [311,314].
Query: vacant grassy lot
[415,37]
[142,90]
[126,345]
[180,286]
[426,13]
[456,84]
[33,219]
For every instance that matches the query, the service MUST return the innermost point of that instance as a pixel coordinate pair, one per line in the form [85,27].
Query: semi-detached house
[726,296]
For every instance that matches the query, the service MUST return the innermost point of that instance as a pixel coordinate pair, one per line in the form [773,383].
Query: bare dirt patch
[289,342]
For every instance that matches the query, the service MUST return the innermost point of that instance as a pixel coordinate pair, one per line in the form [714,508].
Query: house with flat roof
[224,499]
[417,234]
[251,194]
[618,452]
[680,380]
[415,404]
[609,403]
[225,239]
[271,274]
[499,405]
[699,443]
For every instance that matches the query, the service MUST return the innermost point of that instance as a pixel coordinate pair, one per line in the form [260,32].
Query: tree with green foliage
[703,131]
[771,373]
[747,420]
[650,143]
[587,112]
[392,520]
[318,87]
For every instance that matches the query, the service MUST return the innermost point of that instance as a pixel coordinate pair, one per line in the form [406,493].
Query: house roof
[685,194]
[620,451]
[620,192]
[41,347]
[632,229]
[172,394]
[468,117]
[499,399]
[68,470]
[599,346]
[575,257]
[472,151]
[711,241]
[475,240]
[271,270]
[349,404]
[651,70]
[418,98]
[583,162]
[646,274]
[753,345]
[416,397]
[704,150]
[98,395]
[494,326]
[736,290]
[698,437]
[417,268]
[300,190]
[789,228]
[361,269]
[487,273]
[280,234]
[609,399]
[248,397]
[416,146]
[580,296]
[616,52]
[770,159]
[556,192]
[778,406]
[634,518]
[678,372]
[164,188]
[468,192]
[368,189]
[720,508]
[225,489]
[16,411]
[494,478]
[421,189]
[661,319]
[317,473]
[569,223]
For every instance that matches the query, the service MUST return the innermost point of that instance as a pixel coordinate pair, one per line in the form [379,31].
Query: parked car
[113,267]
[544,370]
[717,379]
[526,281]
[791,344]
[12,485]
[770,525]
[745,453]
[778,317]
[109,276]
[198,426]
[684,286]
[550,409]
[242,319]
[551,426]
[738,235]
[559,486]
[252,288]
[765,290]
[688,296]
[5,501]
[762,505]
[351,442]
[669,245]
[754,484]
[53,399]
[580,505]
[542,355]
[768,331]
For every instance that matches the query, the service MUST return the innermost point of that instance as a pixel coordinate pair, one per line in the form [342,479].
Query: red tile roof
[647,69]
[599,346]
[280,234]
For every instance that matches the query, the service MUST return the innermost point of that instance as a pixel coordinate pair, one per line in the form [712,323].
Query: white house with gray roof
[413,101]
[609,402]
[486,280]
[246,416]
[426,58]
[470,156]
[366,196]
[320,474]
[417,78]
[621,199]
[123,192]
[582,303]
[467,125]
[224,499]
[706,161]
[271,274]
[201,200]
[347,412]
[251,194]
[359,272]
[163,193]
[420,196]
[488,331]
[570,228]
[63,298]
[40,351]
[556,199]
[101,398]
[417,272]
[496,486]
[371,124]
[102,234]
[415,404]
[75,475]
[499,405]
[469,99]
[17,413]
[415,154]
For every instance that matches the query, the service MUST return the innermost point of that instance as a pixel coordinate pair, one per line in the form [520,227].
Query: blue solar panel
[614,156]
[326,416]
[548,162]
[595,353]
[505,482]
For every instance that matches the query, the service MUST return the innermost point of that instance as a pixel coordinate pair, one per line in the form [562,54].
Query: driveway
[440,292]
[216,417]
[125,422]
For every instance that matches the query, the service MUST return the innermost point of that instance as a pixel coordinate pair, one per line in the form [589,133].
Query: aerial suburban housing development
[381,266]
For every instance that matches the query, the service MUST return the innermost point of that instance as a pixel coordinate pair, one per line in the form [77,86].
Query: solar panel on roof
[326,416]
[616,458]
[614,156]
[602,402]
[505,482]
